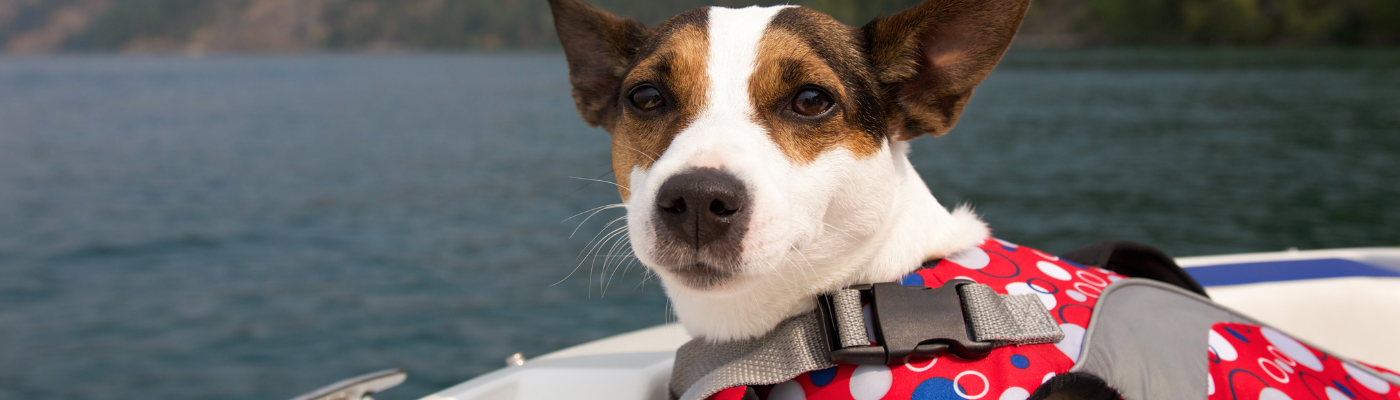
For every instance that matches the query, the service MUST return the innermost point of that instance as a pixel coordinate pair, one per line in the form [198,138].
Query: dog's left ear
[929,58]
[599,47]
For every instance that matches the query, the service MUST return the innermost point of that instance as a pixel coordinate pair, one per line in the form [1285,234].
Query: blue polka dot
[1020,361]
[1073,264]
[913,279]
[935,389]
[822,377]
[1008,248]
[1344,389]
[1237,335]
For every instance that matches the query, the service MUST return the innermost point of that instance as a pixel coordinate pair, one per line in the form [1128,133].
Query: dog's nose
[702,205]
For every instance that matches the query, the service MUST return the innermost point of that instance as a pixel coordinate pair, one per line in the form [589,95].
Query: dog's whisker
[594,245]
[621,254]
[602,207]
[616,233]
[582,257]
[632,260]
[585,220]
[598,247]
[590,216]
[784,277]
[602,181]
[668,312]
[644,154]
[809,266]
[647,274]
[600,233]
[594,211]
[641,284]
[838,230]
[612,252]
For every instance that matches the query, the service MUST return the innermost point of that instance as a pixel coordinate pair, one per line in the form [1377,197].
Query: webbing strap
[704,368]
[850,320]
[799,344]
[1006,319]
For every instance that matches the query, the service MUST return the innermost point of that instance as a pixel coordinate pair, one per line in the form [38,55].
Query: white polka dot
[1045,256]
[1286,368]
[1074,294]
[790,390]
[1074,338]
[1273,394]
[870,382]
[1210,384]
[973,258]
[1334,394]
[1221,347]
[1014,393]
[1114,278]
[1024,288]
[1392,377]
[1370,381]
[1088,290]
[930,364]
[1091,278]
[1053,270]
[1282,358]
[1007,244]
[1292,348]
[1047,377]
[1265,364]
[958,386]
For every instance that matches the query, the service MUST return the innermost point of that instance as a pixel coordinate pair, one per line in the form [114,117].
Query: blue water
[255,227]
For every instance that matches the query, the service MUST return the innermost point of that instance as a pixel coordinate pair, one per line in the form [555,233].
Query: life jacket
[1133,324]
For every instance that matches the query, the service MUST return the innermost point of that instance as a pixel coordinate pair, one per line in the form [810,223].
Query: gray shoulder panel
[1148,339]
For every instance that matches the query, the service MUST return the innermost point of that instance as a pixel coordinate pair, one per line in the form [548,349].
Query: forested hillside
[358,25]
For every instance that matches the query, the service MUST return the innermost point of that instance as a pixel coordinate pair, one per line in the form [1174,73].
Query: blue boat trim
[1292,270]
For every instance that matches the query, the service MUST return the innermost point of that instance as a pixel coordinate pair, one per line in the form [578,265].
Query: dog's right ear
[927,59]
[599,47]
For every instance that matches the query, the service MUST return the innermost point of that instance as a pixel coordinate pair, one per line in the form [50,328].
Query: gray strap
[798,345]
[1008,320]
[704,368]
[850,321]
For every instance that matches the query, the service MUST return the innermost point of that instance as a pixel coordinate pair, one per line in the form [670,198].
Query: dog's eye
[811,102]
[647,98]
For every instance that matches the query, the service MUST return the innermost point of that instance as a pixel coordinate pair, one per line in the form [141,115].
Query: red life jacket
[1246,361]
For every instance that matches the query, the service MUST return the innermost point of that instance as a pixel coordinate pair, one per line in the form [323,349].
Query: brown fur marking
[674,61]
[803,48]
[598,47]
[930,57]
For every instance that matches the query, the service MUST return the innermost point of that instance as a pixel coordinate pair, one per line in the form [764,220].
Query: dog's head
[760,150]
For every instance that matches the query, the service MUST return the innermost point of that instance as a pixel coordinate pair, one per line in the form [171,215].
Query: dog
[761,153]
[762,158]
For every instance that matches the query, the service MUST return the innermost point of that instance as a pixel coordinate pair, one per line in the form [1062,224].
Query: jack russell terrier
[761,154]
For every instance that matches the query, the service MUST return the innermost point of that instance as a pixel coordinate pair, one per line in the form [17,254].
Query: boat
[1341,300]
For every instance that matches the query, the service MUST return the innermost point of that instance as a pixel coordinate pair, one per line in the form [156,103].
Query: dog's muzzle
[701,216]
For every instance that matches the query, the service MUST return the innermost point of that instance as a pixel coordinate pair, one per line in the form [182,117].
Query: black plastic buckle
[911,322]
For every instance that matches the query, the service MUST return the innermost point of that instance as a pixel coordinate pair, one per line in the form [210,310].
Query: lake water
[255,227]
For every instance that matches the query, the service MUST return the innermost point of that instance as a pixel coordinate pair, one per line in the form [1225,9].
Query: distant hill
[198,26]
